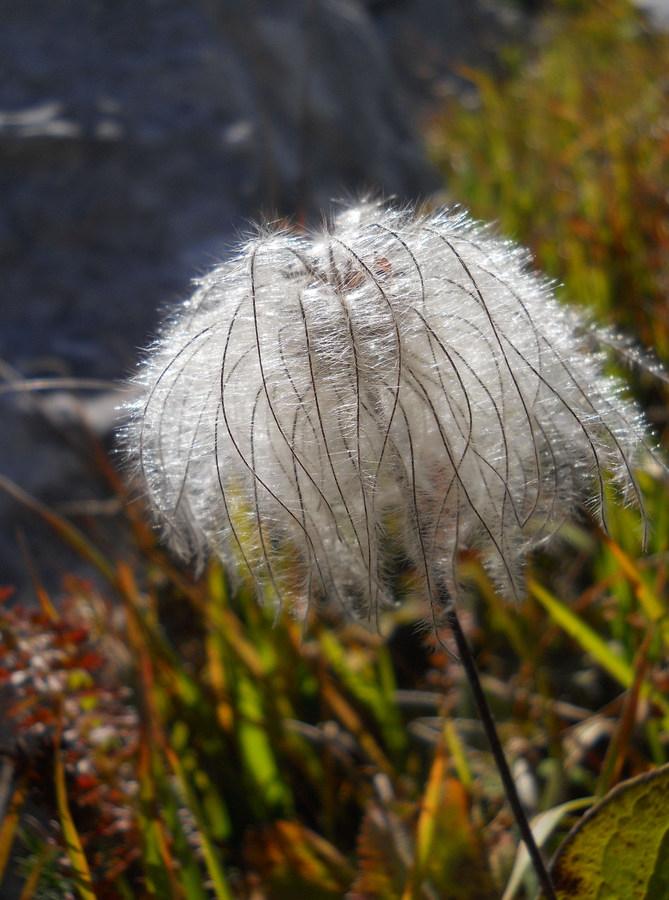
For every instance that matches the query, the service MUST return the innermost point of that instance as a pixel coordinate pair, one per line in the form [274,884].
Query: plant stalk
[488,721]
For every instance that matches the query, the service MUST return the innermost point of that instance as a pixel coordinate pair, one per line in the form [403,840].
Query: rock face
[136,136]
[657,12]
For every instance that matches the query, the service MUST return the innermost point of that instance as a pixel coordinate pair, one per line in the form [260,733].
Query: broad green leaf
[620,849]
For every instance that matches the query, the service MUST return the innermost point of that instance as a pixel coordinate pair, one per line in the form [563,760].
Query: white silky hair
[398,385]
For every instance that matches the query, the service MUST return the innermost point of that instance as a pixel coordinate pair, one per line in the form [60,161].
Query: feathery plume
[397,384]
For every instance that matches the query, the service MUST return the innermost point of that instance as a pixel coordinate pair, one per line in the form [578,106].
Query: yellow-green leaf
[620,849]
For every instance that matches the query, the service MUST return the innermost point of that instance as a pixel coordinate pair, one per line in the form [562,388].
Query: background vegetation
[173,741]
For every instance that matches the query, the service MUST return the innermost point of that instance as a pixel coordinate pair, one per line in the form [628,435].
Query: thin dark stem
[471,671]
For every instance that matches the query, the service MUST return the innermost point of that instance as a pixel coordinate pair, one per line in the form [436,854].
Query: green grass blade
[584,635]
[211,856]
[592,643]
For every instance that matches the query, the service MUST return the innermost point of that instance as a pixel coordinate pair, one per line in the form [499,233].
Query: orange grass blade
[348,716]
[654,607]
[427,824]
[11,821]
[64,529]
[43,597]
[618,748]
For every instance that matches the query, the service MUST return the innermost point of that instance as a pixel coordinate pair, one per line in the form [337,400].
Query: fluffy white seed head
[396,386]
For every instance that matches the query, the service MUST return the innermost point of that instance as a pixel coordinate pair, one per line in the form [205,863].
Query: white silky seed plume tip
[398,385]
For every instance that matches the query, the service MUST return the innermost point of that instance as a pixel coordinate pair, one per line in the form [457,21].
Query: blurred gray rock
[137,136]
[657,12]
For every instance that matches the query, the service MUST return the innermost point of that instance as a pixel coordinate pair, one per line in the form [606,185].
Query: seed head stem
[488,721]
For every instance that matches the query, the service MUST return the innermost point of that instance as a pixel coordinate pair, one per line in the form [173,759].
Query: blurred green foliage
[568,151]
